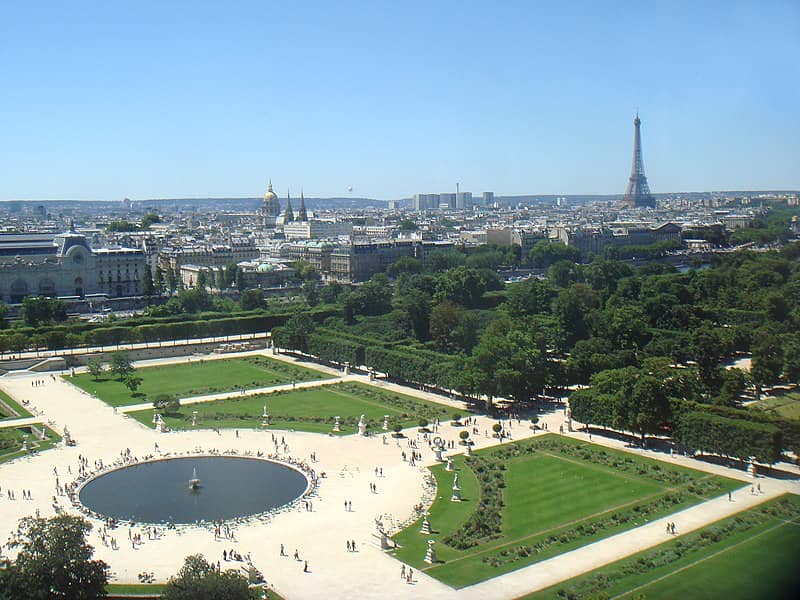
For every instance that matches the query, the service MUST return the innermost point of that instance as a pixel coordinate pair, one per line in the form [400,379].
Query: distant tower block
[637,194]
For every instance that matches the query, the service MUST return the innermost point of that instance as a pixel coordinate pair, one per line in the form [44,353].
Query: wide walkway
[320,536]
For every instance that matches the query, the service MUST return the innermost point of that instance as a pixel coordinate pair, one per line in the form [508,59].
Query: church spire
[288,216]
[301,212]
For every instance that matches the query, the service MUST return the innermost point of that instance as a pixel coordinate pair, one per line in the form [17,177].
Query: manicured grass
[750,555]
[197,378]
[557,495]
[309,409]
[14,405]
[11,442]
[786,406]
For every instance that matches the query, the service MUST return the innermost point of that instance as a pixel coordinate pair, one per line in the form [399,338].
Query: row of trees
[652,401]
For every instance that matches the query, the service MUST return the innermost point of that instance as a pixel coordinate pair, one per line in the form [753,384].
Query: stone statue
[456,497]
[362,426]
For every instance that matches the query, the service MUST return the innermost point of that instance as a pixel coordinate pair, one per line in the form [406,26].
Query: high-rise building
[637,194]
[447,200]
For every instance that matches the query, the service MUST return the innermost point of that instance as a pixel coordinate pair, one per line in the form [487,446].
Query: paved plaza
[320,536]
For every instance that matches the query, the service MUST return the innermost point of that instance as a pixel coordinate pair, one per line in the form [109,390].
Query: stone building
[65,265]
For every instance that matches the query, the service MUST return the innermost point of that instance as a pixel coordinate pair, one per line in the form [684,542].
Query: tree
[452,328]
[171,280]
[417,307]
[644,409]
[734,382]
[38,309]
[149,219]
[405,264]
[441,260]
[460,285]
[311,292]
[528,297]
[294,334]
[408,225]
[329,294]
[3,313]
[202,279]
[54,561]
[572,307]
[251,299]
[545,253]
[147,280]
[767,360]
[121,365]
[95,368]
[132,382]
[705,351]
[200,579]
[158,280]
[120,226]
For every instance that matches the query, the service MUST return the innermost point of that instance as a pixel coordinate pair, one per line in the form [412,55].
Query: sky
[105,100]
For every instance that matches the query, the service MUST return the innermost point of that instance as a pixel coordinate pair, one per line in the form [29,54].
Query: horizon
[190,100]
[368,198]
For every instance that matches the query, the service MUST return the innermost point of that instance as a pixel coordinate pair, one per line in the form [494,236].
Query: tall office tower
[638,192]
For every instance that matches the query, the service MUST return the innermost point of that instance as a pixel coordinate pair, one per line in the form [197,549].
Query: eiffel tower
[637,194]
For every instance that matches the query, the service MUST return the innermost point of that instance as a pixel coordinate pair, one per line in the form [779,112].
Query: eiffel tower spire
[637,193]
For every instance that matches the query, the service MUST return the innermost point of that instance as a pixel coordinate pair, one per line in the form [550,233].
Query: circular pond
[163,491]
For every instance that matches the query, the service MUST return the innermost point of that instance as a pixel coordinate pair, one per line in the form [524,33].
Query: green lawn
[751,555]
[197,378]
[11,442]
[786,406]
[310,409]
[557,495]
[15,407]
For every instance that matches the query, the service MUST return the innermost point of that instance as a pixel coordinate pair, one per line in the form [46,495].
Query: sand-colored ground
[319,536]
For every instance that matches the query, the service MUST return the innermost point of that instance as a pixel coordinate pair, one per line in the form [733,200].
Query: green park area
[195,379]
[11,440]
[751,555]
[10,408]
[309,409]
[528,501]
[786,406]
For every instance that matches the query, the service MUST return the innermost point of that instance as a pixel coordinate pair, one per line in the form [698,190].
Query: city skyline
[187,101]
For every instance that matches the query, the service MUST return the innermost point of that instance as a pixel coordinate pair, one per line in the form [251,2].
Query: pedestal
[449,466]
[456,497]
[336,426]
[426,525]
[430,553]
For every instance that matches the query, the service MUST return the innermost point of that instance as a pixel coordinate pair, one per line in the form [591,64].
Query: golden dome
[269,195]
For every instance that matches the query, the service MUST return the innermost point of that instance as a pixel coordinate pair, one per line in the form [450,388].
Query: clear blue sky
[107,99]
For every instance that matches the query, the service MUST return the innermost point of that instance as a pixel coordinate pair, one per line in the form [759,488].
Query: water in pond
[160,492]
